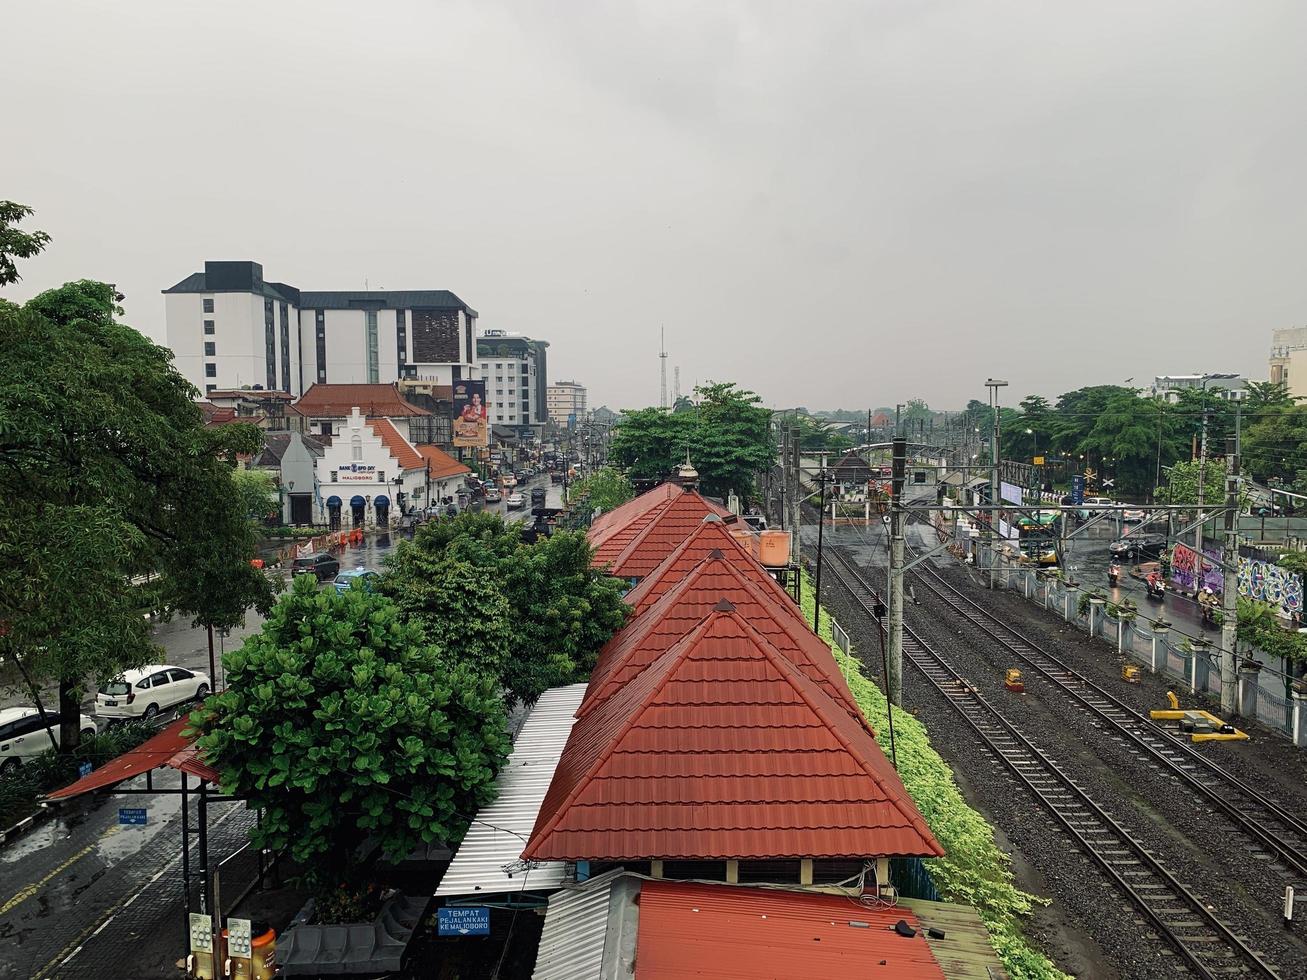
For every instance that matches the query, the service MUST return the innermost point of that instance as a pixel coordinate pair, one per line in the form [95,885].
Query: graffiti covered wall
[1271,584]
[1183,562]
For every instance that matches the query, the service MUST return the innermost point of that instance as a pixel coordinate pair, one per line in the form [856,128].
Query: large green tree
[727,437]
[107,474]
[16,243]
[607,488]
[533,615]
[1275,447]
[344,725]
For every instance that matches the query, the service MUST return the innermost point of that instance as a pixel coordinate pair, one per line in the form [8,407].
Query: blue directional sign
[84,770]
[470,920]
[571,420]
[131,816]
[1077,489]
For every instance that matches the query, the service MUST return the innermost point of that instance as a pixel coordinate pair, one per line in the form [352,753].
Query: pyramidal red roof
[638,548]
[722,750]
[711,535]
[680,611]
[606,524]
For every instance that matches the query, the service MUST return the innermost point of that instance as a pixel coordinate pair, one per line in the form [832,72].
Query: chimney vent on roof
[724,605]
[712,518]
[716,553]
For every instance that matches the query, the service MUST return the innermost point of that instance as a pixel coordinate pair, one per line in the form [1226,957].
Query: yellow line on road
[36,886]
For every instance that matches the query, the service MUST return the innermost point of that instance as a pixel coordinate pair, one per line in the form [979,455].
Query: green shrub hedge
[974,870]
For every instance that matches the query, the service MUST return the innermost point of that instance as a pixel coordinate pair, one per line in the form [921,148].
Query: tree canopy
[343,723]
[532,615]
[16,243]
[727,438]
[607,488]
[108,473]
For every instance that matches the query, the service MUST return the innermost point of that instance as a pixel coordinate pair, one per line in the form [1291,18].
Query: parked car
[516,501]
[323,565]
[23,734]
[346,579]
[144,693]
[1134,546]
[538,496]
[493,496]
[1132,515]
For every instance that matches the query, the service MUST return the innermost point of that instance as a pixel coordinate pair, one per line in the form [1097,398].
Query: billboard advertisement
[471,420]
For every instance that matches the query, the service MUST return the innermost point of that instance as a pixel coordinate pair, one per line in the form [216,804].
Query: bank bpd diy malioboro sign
[357,473]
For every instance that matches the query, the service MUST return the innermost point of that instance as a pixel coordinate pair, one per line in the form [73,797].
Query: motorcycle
[1156,590]
[1114,576]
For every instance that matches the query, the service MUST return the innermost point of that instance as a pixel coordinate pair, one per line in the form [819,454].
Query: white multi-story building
[515,371]
[566,398]
[228,327]
[1229,387]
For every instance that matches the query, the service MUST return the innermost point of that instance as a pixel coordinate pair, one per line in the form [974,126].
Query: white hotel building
[228,327]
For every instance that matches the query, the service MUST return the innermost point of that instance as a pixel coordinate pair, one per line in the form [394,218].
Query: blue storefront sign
[131,816]
[1077,489]
[470,920]
[84,770]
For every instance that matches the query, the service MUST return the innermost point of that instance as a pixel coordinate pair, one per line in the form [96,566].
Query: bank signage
[356,473]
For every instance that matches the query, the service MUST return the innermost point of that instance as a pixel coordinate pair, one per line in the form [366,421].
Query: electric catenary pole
[1230,590]
[662,362]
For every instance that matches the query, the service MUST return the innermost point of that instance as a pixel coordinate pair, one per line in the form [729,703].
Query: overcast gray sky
[836,204]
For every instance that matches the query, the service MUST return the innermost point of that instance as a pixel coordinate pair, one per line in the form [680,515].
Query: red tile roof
[690,931]
[440,463]
[405,454]
[683,607]
[711,535]
[605,524]
[636,549]
[337,401]
[723,750]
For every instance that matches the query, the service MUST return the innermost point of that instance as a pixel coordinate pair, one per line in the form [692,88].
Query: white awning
[499,834]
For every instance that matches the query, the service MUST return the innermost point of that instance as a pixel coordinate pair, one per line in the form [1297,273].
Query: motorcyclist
[1114,573]
[1154,583]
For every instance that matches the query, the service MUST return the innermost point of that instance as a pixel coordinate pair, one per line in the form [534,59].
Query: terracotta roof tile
[605,524]
[637,548]
[400,448]
[691,931]
[440,463]
[711,535]
[337,401]
[725,698]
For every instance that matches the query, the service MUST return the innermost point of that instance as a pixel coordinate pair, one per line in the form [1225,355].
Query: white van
[23,735]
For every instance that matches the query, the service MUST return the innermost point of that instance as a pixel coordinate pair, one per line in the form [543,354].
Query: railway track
[1203,941]
[1276,834]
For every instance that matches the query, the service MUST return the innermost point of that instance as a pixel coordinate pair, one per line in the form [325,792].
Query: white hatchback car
[144,693]
[23,734]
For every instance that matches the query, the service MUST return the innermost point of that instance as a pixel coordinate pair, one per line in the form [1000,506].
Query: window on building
[208,389]
[270,343]
[320,330]
[210,370]
[401,341]
[374,363]
[210,348]
[356,447]
[208,305]
[285,347]
[208,328]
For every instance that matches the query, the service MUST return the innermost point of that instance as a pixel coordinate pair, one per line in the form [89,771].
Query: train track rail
[1276,833]
[1208,946]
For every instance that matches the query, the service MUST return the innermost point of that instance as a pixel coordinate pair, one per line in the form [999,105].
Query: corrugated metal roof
[692,931]
[722,749]
[590,925]
[497,836]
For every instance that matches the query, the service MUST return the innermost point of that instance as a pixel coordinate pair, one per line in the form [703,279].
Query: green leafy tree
[1273,447]
[1180,484]
[257,490]
[532,615]
[16,243]
[343,724]
[650,442]
[1262,395]
[108,474]
[606,489]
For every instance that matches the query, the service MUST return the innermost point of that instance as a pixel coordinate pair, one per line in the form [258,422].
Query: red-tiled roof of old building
[712,534]
[692,931]
[682,608]
[400,448]
[606,524]
[337,401]
[440,463]
[723,750]
[636,549]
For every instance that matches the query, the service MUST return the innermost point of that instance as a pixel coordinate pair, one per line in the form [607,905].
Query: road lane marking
[27,892]
[104,920]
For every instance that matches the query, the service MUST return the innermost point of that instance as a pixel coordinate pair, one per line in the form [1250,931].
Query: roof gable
[399,448]
[639,548]
[723,750]
[680,610]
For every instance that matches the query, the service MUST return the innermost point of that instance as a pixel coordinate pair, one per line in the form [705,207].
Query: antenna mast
[662,359]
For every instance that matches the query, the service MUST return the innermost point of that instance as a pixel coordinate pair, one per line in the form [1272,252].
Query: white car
[144,693]
[515,501]
[23,734]
[1132,516]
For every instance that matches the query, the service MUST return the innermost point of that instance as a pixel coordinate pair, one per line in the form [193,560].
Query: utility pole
[821,524]
[796,496]
[662,360]
[898,465]
[785,476]
[1230,590]
[1202,486]
[993,387]
[898,409]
